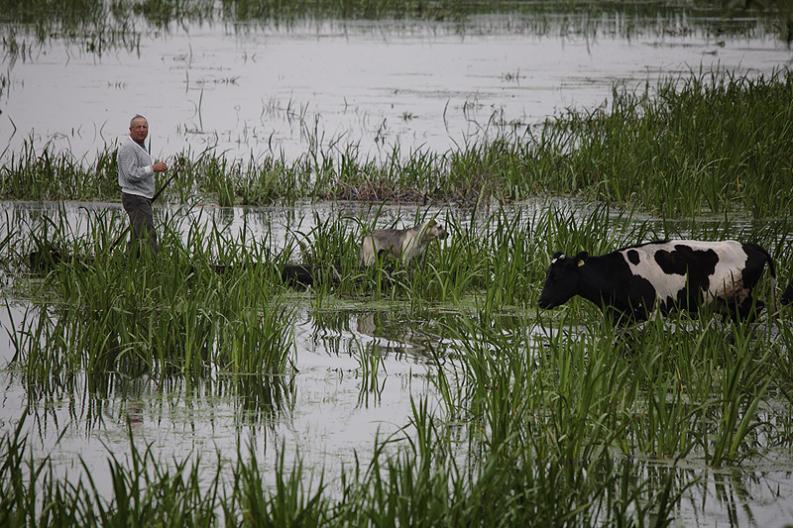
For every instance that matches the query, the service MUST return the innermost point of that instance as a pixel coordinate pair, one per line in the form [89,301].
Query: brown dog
[404,244]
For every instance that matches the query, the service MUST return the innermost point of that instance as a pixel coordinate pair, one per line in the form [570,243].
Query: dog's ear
[431,223]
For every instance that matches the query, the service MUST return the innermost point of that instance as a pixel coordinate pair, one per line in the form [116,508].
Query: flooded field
[203,384]
[315,87]
[356,363]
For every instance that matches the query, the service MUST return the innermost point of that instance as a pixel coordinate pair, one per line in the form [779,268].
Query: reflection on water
[334,401]
[756,498]
[392,333]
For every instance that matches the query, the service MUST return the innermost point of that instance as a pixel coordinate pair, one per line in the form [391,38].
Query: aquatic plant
[703,142]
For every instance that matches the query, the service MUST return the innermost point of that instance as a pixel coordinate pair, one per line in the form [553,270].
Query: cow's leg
[624,318]
[745,310]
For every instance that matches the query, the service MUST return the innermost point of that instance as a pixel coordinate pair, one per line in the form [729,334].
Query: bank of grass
[704,142]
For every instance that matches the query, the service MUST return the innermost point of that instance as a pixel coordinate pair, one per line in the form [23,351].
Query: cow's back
[690,271]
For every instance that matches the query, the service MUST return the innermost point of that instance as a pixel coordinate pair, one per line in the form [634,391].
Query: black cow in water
[630,283]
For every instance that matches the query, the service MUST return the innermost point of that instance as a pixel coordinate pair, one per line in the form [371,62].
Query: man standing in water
[136,178]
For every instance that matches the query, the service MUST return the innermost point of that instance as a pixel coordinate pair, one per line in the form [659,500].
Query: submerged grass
[533,430]
[497,257]
[107,314]
[421,485]
[699,143]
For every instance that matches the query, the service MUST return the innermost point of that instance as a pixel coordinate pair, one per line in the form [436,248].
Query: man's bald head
[138,128]
[137,117]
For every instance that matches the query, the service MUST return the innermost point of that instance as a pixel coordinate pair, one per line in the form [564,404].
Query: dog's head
[432,230]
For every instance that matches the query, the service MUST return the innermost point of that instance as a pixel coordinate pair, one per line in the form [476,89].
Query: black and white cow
[630,283]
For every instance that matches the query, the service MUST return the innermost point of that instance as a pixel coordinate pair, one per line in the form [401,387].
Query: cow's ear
[581,258]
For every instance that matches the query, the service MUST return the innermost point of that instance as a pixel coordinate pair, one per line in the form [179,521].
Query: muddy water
[325,86]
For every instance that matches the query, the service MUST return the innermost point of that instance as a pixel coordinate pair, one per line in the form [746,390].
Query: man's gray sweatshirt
[135,171]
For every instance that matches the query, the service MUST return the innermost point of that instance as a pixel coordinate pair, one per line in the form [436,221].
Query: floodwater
[329,413]
[321,87]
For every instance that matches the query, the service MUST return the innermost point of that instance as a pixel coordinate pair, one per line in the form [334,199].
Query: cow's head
[562,280]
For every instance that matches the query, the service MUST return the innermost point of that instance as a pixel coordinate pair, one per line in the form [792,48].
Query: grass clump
[172,314]
[421,484]
[704,142]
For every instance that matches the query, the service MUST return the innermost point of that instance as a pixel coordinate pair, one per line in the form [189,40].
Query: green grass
[109,313]
[422,485]
[497,257]
[704,142]
[577,426]
[535,431]
[690,145]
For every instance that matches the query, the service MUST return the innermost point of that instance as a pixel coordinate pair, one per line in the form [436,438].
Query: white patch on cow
[560,257]
[724,283]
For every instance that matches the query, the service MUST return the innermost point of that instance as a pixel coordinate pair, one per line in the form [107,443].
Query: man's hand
[159,166]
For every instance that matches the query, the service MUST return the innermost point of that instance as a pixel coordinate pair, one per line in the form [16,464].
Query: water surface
[365,88]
